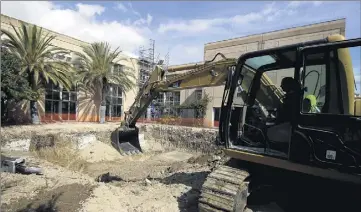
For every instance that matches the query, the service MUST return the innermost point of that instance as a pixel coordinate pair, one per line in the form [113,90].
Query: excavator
[319,134]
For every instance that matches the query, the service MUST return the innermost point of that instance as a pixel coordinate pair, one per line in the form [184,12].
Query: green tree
[95,69]
[36,55]
[14,87]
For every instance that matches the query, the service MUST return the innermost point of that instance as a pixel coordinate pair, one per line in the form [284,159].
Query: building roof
[313,25]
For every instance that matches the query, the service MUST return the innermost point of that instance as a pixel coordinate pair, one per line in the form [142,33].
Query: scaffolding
[146,63]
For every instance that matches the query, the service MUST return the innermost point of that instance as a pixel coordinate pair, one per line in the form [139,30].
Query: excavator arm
[208,74]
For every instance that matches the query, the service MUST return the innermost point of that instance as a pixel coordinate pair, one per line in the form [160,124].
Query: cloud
[132,10]
[317,3]
[181,53]
[268,13]
[90,10]
[142,21]
[184,37]
[295,4]
[80,23]
[121,7]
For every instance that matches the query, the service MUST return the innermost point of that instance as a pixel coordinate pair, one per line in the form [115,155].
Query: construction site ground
[159,180]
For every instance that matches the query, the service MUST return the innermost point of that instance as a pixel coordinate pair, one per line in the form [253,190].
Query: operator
[291,87]
[309,104]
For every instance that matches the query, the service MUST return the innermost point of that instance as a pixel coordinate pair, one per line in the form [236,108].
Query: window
[217,113]
[160,99]
[69,99]
[60,104]
[314,88]
[114,102]
[144,76]
[331,82]
[198,95]
[257,62]
[172,99]
[117,68]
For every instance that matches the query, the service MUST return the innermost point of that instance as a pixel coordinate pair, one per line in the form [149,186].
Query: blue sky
[180,27]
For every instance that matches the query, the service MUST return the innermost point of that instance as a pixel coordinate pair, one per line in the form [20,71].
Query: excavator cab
[316,124]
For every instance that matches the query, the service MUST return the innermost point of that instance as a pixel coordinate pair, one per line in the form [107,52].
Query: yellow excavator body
[327,152]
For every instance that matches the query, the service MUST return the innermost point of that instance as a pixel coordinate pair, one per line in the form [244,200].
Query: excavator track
[225,189]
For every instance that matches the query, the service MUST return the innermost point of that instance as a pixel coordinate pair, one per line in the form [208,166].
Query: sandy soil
[154,181]
[18,188]
[98,151]
[60,127]
[148,182]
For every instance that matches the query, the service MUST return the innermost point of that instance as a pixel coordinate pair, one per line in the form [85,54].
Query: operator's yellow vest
[313,102]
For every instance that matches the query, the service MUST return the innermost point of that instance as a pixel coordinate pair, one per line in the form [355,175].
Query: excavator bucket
[126,141]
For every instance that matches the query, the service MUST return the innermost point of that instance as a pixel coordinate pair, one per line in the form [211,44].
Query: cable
[318,78]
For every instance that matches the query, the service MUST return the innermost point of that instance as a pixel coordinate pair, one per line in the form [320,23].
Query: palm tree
[34,50]
[96,69]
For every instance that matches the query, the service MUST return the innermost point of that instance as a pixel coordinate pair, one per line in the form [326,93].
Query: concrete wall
[88,102]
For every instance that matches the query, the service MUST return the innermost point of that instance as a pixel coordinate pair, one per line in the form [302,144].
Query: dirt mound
[98,151]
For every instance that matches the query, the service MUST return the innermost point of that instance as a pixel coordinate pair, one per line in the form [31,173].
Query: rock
[107,178]
[219,152]
[216,158]
[147,182]
[16,145]
[136,192]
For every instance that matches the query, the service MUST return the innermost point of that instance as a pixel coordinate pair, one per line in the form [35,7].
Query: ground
[163,181]
[97,178]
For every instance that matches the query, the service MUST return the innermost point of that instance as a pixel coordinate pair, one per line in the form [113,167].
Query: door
[327,123]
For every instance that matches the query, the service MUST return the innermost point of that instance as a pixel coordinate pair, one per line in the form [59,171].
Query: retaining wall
[168,136]
[190,138]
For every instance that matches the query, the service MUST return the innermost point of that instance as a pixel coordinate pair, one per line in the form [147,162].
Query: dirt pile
[62,154]
[98,151]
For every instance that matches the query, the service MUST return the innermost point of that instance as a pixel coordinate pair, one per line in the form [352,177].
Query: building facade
[234,48]
[58,104]
[76,105]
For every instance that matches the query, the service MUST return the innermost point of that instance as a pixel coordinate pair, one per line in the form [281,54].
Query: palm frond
[95,67]
[36,53]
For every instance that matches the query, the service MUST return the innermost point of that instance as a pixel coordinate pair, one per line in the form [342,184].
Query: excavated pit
[166,177]
[79,157]
[152,137]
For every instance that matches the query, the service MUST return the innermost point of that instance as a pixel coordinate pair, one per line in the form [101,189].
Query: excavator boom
[208,74]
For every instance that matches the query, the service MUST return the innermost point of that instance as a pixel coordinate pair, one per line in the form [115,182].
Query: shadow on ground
[187,201]
[50,206]
[64,198]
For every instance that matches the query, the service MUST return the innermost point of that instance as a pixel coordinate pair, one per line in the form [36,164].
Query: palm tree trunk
[102,105]
[3,110]
[34,115]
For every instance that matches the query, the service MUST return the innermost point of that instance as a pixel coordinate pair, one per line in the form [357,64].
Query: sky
[180,27]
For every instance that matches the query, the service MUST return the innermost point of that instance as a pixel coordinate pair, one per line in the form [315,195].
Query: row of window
[63,103]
